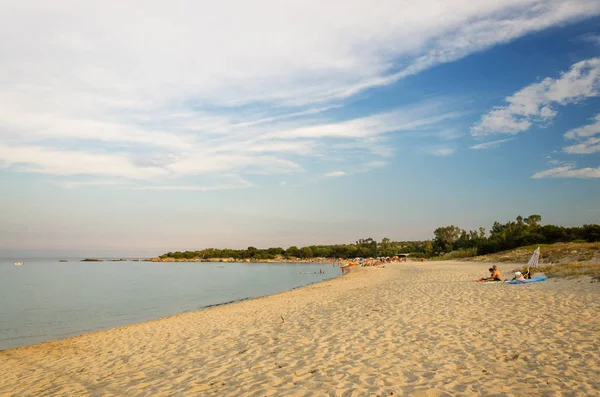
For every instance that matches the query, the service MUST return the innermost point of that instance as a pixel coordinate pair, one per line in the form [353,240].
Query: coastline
[231,260]
[199,310]
[133,318]
[408,328]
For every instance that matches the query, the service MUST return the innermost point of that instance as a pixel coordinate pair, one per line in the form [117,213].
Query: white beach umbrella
[535,258]
[533,261]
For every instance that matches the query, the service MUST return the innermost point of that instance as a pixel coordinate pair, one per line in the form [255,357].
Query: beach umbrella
[533,261]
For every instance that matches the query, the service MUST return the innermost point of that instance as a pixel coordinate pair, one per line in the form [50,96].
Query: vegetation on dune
[522,232]
[572,270]
[458,254]
[449,242]
[568,270]
[551,253]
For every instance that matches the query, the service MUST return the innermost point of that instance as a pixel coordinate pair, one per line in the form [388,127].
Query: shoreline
[408,329]
[256,297]
[200,309]
[325,261]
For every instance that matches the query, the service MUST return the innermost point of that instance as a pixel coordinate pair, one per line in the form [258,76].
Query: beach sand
[415,329]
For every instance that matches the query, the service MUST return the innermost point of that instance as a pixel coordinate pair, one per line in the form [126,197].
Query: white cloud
[405,119]
[590,145]
[585,131]
[192,188]
[592,38]
[450,134]
[65,162]
[354,169]
[372,164]
[78,184]
[533,104]
[258,151]
[335,174]
[156,90]
[585,146]
[376,145]
[441,151]
[490,145]
[568,171]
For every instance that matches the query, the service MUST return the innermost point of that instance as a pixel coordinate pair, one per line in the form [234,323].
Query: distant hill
[550,253]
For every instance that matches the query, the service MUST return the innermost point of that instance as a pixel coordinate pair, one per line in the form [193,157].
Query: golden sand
[414,329]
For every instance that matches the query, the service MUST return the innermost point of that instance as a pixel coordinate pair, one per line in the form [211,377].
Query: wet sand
[414,329]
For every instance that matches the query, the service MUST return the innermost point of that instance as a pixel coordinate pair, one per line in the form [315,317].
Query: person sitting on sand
[486,278]
[495,275]
[519,276]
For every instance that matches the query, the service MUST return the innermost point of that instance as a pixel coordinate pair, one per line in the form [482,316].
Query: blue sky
[138,130]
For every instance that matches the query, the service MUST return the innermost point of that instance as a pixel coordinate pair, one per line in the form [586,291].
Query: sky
[136,128]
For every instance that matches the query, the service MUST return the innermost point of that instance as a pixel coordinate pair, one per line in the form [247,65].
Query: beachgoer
[519,276]
[487,278]
[495,275]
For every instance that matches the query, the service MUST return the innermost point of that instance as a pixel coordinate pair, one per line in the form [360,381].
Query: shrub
[571,269]
[459,254]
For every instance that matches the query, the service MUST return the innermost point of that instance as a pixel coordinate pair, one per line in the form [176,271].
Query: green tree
[306,252]
[293,251]
[428,248]
[446,236]
[502,236]
[533,220]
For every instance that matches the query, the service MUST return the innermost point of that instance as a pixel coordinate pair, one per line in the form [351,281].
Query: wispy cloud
[534,103]
[592,38]
[192,188]
[441,151]
[590,145]
[568,171]
[372,165]
[192,89]
[404,119]
[353,169]
[68,162]
[67,184]
[335,174]
[586,135]
[490,145]
[209,183]
[264,150]
[450,134]
[585,131]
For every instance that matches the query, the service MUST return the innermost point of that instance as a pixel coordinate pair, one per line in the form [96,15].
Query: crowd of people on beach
[495,273]
[372,262]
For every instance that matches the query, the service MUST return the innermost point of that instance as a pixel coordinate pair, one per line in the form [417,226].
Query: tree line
[363,248]
[512,234]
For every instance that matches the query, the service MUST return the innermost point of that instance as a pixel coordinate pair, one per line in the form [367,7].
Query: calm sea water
[46,299]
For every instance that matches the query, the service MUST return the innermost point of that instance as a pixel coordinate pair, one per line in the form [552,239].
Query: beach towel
[536,279]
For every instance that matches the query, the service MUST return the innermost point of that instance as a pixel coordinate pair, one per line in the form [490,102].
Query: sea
[46,299]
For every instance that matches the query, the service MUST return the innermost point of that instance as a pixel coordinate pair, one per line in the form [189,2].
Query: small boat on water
[19,263]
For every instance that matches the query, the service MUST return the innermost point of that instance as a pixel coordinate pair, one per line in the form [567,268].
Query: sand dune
[415,329]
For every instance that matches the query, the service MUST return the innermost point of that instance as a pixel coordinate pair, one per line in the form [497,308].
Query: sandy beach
[414,329]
